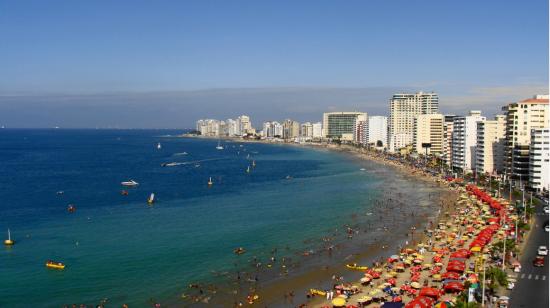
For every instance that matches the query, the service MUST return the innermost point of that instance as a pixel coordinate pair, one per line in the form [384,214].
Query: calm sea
[118,248]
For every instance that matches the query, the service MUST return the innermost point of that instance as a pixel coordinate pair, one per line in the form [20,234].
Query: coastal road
[531,288]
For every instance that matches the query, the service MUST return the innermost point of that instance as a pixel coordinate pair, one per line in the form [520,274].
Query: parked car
[542,251]
[546,210]
[538,261]
[547,228]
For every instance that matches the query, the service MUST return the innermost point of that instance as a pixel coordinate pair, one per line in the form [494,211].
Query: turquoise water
[119,248]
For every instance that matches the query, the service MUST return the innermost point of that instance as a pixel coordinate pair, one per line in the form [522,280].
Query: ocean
[118,249]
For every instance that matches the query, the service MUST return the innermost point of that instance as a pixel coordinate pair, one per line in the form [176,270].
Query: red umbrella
[454,286]
[429,292]
[397,299]
[392,281]
[456,268]
[450,275]
[420,302]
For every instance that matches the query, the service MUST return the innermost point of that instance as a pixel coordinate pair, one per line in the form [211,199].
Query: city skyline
[138,65]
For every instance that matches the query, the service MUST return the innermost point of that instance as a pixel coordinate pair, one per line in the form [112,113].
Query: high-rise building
[317,130]
[306,130]
[491,139]
[377,130]
[448,139]
[245,126]
[521,118]
[231,127]
[464,140]
[291,129]
[404,107]
[539,159]
[360,132]
[428,134]
[342,125]
[267,129]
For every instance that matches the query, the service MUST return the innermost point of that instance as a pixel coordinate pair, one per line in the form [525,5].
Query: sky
[165,64]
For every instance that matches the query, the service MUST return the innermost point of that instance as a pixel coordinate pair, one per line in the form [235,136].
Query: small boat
[9,241]
[253,163]
[151,199]
[71,208]
[129,183]
[60,192]
[239,251]
[197,165]
[248,169]
[159,146]
[56,265]
[288,177]
[171,164]
[356,267]
[317,292]
[219,147]
[210,181]
[362,169]
[124,193]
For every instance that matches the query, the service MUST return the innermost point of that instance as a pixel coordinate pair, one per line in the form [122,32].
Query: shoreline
[271,294]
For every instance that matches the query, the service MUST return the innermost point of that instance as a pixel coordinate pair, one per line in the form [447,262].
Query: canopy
[429,292]
[454,286]
[450,275]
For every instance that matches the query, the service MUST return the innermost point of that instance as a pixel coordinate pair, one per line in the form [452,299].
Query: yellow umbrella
[475,249]
[439,264]
[374,292]
[415,285]
[388,275]
[363,299]
[426,265]
[436,277]
[338,302]
[378,270]
[393,273]
[409,262]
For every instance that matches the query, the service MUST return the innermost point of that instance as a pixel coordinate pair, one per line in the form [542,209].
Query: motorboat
[55,265]
[9,241]
[171,164]
[151,199]
[159,146]
[219,147]
[130,183]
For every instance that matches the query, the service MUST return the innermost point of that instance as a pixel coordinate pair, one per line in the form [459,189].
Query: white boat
[219,147]
[151,199]
[253,163]
[210,181]
[159,146]
[171,164]
[9,241]
[130,183]
[248,169]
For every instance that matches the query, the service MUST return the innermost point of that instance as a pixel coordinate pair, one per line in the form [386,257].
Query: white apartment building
[404,107]
[244,125]
[306,130]
[428,134]
[491,140]
[521,118]
[231,127]
[317,130]
[448,139]
[377,130]
[539,159]
[208,127]
[464,140]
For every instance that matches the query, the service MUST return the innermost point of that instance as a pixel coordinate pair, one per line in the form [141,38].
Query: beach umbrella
[426,265]
[397,299]
[429,292]
[454,286]
[379,270]
[365,280]
[436,277]
[374,292]
[338,302]
[351,306]
[364,299]
[415,285]
[420,302]
[392,281]
[473,278]
[450,275]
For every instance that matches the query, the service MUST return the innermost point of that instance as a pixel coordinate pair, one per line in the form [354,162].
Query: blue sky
[271,59]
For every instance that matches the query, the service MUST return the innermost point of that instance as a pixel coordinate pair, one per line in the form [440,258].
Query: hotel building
[342,125]
[464,140]
[491,140]
[539,159]
[404,107]
[428,134]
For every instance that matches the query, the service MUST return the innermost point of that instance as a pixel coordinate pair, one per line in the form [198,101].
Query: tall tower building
[464,140]
[491,139]
[521,118]
[539,159]
[404,107]
[377,132]
[342,125]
